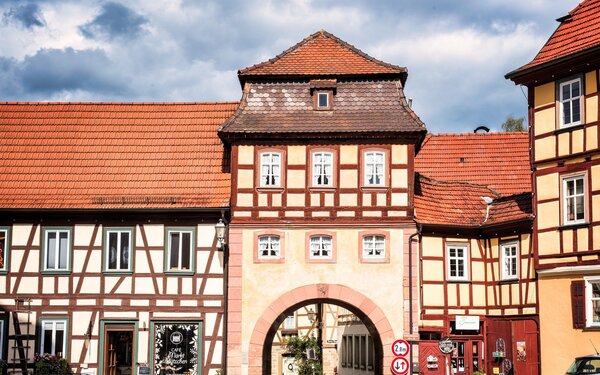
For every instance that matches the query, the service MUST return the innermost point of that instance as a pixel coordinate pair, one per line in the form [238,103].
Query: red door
[431,360]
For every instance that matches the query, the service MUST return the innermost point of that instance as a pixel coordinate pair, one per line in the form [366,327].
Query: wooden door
[119,346]
[431,360]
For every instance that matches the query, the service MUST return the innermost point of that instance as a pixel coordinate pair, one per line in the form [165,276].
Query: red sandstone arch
[299,296]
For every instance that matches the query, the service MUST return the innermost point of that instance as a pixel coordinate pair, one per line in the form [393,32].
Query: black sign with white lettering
[176,348]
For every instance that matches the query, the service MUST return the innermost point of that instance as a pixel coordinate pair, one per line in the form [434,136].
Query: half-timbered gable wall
[563,86]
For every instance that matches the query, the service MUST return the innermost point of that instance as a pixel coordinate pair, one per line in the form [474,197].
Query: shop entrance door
[119,346]
[466,357]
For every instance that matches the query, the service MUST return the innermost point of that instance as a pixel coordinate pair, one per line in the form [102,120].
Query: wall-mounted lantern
[221,231]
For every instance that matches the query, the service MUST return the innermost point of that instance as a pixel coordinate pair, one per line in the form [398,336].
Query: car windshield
[585,366]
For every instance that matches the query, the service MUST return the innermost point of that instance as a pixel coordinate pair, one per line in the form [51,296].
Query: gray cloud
[114,21]
[28,15]
[51,73]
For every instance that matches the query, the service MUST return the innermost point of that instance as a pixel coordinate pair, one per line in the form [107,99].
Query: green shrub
[51,365]
[298,346]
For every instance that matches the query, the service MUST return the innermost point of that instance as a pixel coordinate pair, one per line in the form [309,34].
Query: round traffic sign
[400,366]
[400,348]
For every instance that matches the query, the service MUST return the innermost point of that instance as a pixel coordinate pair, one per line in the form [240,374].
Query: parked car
[589,364]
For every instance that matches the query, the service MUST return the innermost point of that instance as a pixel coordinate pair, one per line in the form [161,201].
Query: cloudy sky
[456,52]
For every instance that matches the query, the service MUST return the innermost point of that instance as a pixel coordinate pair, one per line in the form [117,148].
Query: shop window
[177,347]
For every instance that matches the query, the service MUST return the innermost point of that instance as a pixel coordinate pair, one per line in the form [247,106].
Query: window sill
[573,226]
[567,129]
[327,189]
[266,189]
[452,281]
[56,272]
[269,260]
[508,281]
[179,273]
[317,260]
[374,260]
[374,188]
[118,272]
[591,329]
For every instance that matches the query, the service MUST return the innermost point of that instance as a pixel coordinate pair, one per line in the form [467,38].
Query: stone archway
[360,304]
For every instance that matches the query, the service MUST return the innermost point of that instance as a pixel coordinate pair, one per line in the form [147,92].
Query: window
[321,247]
[53,337]
[592,302]
[270,169]
[457,262]
[509,260]
[268,247]
[57,244]
[570,103]
[180,253]
[118,249]
[374,247]
[344,350]
[374,168]
[2,339]
[289,324]
[322,169]
[4,241]
[177,344]
[323,99]
[574,200]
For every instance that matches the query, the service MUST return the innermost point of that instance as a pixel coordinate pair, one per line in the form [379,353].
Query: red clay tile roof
[321,54]
[359,107]
[578,31]
[499,161]
[461,204]
[112,155]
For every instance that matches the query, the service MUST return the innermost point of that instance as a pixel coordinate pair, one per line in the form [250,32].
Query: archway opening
[348,340]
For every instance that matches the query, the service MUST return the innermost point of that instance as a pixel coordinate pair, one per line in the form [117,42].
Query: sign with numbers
[400,366]
[400,348]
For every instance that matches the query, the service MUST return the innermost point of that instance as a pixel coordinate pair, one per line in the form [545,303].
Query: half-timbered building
[107,223]
[472,202]
[322,154]
[563,83]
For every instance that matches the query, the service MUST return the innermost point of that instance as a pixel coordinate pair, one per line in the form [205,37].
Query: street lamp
[221,231]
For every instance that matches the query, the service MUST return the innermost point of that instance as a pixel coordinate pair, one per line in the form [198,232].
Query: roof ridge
[312,37]
[464,134]
[465,183]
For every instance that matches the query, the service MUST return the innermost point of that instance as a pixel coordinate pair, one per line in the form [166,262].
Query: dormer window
[323,100]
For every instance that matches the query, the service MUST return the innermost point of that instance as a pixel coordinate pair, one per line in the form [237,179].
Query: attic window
[322,99]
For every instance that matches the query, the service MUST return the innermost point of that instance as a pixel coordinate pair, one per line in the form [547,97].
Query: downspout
[410,276]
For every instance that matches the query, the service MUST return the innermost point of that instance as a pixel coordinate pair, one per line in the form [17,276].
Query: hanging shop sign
[176,348]
[446,345]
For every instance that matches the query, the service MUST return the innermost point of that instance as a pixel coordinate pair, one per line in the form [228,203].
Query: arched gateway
[372,316]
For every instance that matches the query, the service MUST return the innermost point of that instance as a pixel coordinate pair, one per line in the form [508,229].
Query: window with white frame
[53,337]
[574,199]
[570,102]
[290,322]
[180,250]
[509,260]
[457,262]
[118,249]
[322,169]
[268,247]
[270,169]
[57,244]
[374,168]
[374,247]
[321,247]
[323,100]
[592,302]
[3,249]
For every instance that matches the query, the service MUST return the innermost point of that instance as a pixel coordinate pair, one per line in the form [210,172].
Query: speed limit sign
[400,366]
